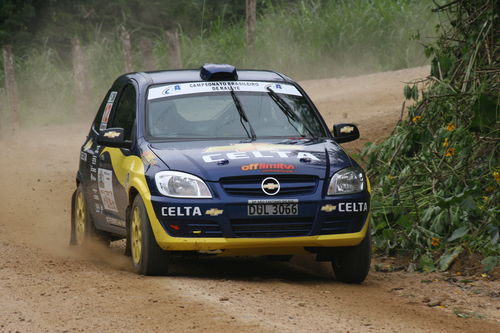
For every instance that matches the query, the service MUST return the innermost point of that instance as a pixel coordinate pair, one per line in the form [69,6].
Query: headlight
[181,185]
[347,181]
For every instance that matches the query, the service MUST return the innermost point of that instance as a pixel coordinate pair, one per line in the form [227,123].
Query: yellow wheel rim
[136,236]
[80,219]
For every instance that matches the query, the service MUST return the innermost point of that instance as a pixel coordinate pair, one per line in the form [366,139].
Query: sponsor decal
[113,221]
[268,167]
[214,212]
[217,86]
[252,147]
[274,86]
[181,211]
[88,144]
[346,129]
[111,134]
[218,157]
[353,207]
[166,91]
[112,96]
[272,201]
[328,208]
[149,158]
[83,156]
[105,184]
[346,207]
[270,186]
[98,208]
[105,116]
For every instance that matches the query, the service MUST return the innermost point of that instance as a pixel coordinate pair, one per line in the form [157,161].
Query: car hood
[212,160]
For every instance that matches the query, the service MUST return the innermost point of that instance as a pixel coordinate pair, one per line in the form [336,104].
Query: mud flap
[72,238]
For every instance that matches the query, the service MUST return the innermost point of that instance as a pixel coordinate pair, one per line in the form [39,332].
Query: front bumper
[172,221]
[260,246]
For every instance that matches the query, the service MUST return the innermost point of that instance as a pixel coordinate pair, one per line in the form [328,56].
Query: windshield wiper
[288,111]
[243,116]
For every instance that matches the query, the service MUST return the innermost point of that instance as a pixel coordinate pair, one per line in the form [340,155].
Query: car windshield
[233,109]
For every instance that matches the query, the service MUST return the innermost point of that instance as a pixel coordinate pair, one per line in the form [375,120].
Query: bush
[437,177]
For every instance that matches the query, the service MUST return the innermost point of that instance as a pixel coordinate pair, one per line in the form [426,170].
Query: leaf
[448,257]
[461,314]
[485,113]
[490,262]
[404,221]
[495,235]
[407,91]
[426,263]
[468,203]
[414,92]
[458,233]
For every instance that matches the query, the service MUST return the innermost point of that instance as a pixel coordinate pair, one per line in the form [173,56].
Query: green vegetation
[304,39]
[324,39]
[436,179]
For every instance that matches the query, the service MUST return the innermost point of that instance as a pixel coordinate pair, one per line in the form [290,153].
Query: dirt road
[46,286]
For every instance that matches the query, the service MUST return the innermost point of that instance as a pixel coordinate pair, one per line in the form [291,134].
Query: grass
[312,39]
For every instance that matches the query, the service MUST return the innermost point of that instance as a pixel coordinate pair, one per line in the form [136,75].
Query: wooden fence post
[80,77]
[148,60]
[251,17]
[11,84]
[174,49]
[127,50]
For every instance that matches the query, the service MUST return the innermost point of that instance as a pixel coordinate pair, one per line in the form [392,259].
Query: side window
[124,115]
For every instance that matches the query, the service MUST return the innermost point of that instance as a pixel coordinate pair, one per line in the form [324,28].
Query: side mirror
[113,137]
[345,132]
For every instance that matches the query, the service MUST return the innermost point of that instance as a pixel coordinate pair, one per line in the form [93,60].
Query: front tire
[351,264]
[147,256]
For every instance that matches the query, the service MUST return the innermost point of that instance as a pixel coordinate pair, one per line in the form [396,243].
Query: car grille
[251,185]
[272,227]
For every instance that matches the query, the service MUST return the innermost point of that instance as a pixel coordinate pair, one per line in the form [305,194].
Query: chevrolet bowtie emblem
[270,186]
[111,134]
[214,212]
[328,208]
[346,129]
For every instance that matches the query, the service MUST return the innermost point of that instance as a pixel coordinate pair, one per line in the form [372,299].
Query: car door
[112,193]
[89,155]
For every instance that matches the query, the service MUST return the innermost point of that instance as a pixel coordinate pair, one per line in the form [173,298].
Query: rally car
[220,161]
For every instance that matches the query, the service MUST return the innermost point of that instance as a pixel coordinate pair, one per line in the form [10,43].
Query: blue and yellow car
[220,161]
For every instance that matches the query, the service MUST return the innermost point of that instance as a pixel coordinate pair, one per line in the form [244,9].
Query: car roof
[193,75]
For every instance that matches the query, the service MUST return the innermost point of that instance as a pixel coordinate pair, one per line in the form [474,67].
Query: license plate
[273,207]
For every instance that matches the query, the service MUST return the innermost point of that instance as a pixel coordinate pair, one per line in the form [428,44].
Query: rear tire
[147,256]
[83,229]
[351,264]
